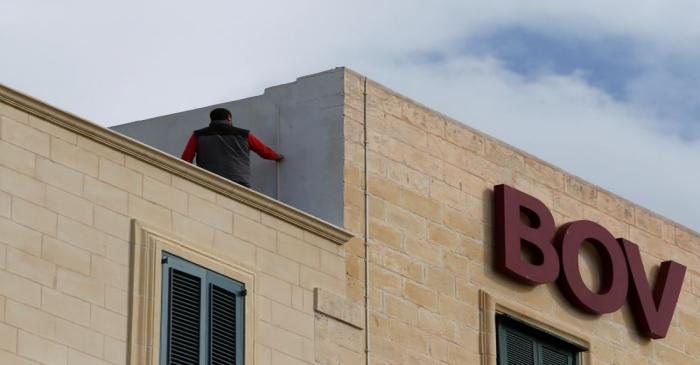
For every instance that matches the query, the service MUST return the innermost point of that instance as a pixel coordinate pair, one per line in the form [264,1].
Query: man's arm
[190,149]
[262,150]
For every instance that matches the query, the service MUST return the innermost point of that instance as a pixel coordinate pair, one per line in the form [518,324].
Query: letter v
[652,311]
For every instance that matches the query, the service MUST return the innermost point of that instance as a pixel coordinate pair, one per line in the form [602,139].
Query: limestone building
[390,234]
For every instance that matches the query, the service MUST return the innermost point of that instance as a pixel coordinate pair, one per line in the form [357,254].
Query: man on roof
[225,150]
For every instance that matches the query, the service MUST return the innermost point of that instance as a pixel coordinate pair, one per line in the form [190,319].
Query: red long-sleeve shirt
[255,144]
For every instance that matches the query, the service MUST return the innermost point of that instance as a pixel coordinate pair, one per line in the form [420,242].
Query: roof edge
[173,165]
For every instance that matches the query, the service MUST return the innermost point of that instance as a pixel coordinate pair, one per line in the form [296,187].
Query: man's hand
[280,158]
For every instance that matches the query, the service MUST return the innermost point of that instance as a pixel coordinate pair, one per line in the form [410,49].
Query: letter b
[512,235]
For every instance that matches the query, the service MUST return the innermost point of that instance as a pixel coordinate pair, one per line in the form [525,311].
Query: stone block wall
[67,202]
[430,198]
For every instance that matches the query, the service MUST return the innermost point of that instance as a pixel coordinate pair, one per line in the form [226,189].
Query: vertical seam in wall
[278,131]
[366,236]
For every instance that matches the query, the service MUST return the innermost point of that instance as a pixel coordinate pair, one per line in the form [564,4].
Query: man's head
[220,114]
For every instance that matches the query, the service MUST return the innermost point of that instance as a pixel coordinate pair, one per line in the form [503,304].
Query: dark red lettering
[512,234]
[516,238]
[653,312]
[613,290]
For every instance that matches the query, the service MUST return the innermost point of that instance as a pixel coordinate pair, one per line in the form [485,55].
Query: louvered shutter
[553,356]
[202,316]
[182,338]
[225,320]
[185,318]
[520,344]
[517,348]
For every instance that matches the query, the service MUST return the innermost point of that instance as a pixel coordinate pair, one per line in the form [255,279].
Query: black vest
[223,149]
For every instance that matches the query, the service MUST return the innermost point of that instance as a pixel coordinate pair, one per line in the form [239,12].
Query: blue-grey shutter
[520,344]
[552,356]
[183,312]
[185,319]
[202,316]
[226,318]
[223,327]
[517,348]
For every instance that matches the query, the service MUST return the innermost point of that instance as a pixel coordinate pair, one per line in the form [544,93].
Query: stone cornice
[173,165]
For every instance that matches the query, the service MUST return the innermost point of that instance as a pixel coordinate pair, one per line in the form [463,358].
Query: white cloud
[568,123]
[115,62]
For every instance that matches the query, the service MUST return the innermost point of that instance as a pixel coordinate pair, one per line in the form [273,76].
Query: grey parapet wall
[302,120]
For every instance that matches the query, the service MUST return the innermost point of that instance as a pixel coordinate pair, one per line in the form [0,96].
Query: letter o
[614,278]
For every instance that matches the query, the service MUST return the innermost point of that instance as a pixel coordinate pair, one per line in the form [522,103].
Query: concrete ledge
[173,165]
[338,308]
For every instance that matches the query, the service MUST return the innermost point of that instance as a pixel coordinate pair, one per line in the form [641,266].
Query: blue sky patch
[608,63]
[666,85]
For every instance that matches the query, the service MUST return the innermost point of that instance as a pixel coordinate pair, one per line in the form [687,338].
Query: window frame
[490,305]
[148,243]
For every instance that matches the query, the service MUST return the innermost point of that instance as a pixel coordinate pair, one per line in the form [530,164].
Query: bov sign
[556,253]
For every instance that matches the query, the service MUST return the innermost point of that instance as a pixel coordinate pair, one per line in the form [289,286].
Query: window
[202,315]
[521,344]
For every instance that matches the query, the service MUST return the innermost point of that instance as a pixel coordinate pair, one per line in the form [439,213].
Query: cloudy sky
[607,90]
